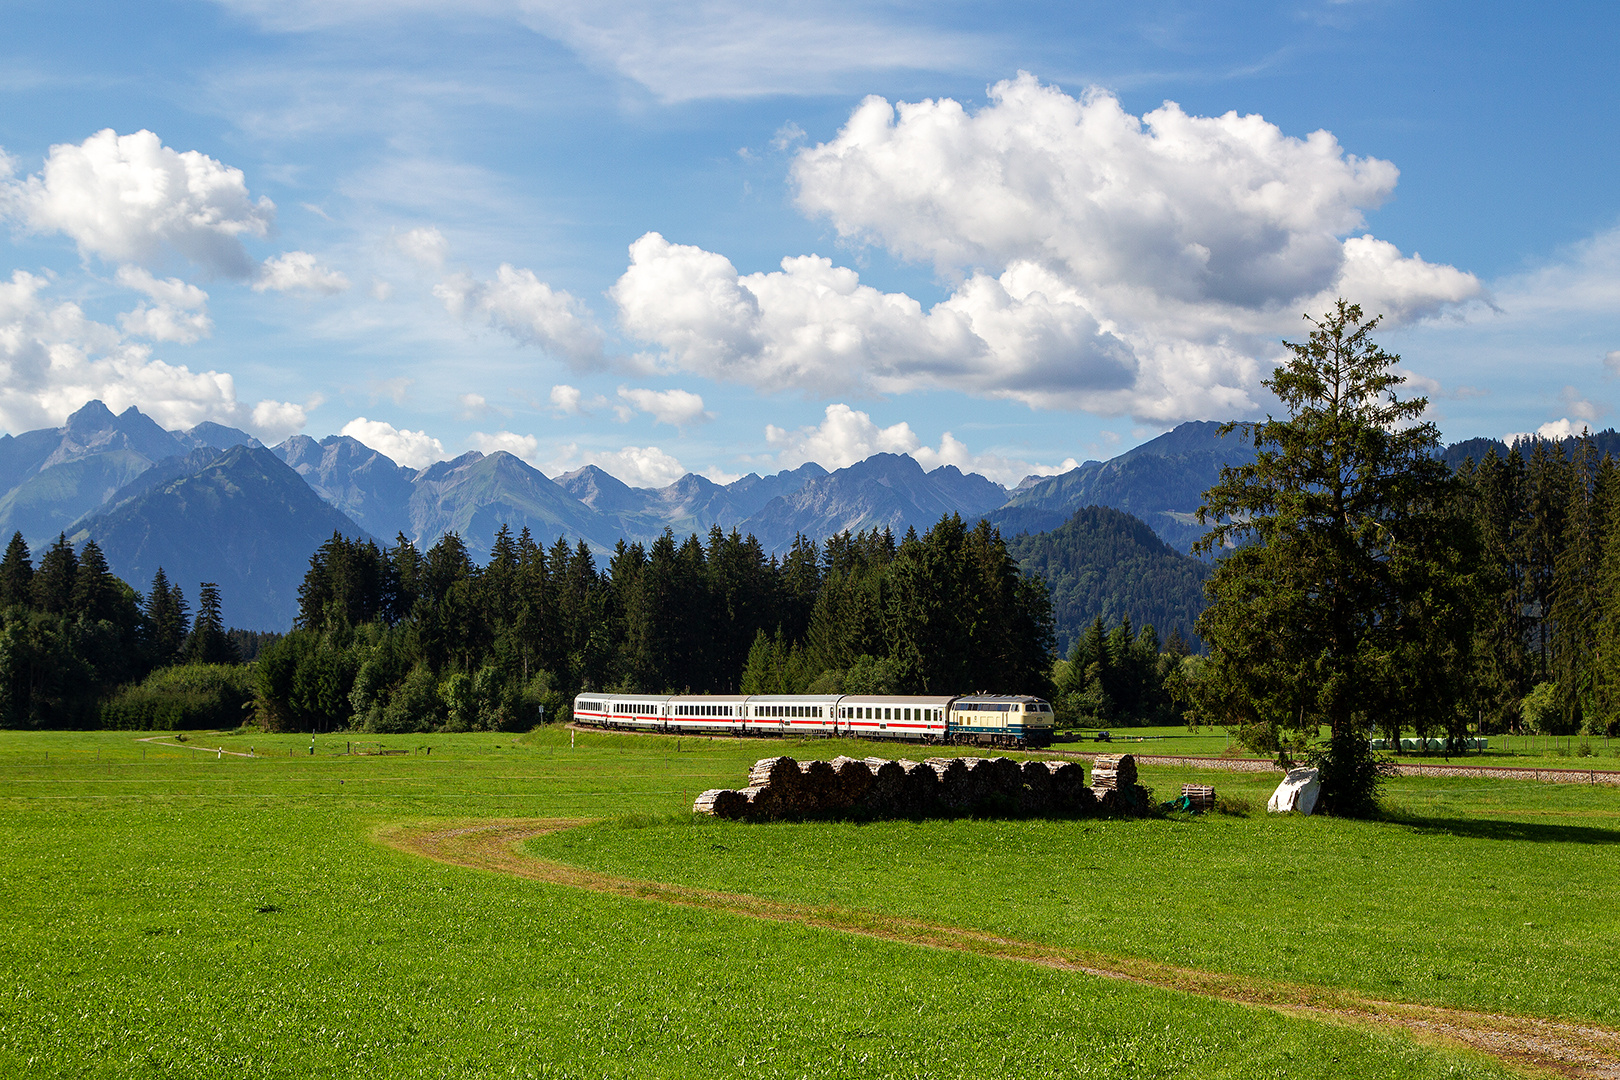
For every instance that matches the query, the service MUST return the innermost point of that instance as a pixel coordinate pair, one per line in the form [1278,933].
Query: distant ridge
[1162,482]
[242,519]
[107,472]
[886,491]
[54,476]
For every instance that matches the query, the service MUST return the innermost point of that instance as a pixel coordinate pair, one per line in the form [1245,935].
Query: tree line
[1546,544]
[395,639]
[72,633]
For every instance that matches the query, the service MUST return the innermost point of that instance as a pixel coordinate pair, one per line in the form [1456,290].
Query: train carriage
[1001,720]
[633,712]
[888,716]
[793,714]
[706,714]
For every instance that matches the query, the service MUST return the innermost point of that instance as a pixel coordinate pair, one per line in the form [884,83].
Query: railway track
[1606,777]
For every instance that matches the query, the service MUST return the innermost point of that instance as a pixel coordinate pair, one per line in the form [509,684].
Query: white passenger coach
[976,719]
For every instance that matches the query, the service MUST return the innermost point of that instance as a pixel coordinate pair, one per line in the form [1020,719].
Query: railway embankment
[1609,777]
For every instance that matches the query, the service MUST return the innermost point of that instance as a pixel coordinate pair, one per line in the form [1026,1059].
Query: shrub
[1351,774]
[182,697]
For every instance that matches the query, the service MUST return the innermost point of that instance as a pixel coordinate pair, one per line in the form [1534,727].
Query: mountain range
[212,504]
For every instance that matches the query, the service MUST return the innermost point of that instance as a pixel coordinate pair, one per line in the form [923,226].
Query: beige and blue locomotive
[1005,720]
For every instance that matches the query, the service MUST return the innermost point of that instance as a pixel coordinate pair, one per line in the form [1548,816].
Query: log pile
[1113,781]
[1200,796]
[781,788]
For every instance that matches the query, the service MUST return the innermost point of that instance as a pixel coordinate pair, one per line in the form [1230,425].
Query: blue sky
[560,228]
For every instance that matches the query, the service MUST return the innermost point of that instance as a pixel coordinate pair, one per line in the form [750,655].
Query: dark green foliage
[69,633]
[16,574]
[1352,775]
[303,680]
[183,697]
[1103,563]
[45,681]
[454,646]
[1549,576]
[1354,605]
[97,594]
[54,578]
[167,620]
[1118,678]
[248,644]
[207,643]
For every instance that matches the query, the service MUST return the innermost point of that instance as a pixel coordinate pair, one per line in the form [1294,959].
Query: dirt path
[157,740]
[1557,1047]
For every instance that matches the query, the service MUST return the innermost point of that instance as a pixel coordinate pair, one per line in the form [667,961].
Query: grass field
[198,914]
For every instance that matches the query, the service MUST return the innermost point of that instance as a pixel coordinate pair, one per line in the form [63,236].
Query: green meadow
[170,912]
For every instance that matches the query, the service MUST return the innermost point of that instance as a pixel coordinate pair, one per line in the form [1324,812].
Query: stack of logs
[780,787]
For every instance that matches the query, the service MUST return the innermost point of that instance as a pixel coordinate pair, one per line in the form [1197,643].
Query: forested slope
[1105,562]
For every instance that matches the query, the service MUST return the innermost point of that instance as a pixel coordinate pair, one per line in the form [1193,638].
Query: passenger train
[975,719]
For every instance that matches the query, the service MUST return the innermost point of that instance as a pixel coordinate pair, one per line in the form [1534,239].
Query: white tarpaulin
[1296,794]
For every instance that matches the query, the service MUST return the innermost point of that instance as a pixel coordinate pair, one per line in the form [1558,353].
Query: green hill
[1105,562]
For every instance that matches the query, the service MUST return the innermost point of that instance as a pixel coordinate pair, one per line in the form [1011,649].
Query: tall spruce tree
[166,620]
[55,578]
[17,574]
[1351,599]
[207,643]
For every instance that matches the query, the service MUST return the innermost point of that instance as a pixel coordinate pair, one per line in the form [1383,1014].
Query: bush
[1351,774]
[184,697]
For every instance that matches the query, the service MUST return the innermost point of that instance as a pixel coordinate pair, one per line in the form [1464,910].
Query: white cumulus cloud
[677,408]
[1564,428]
[530,311]
[273,421]
[1120,264]
[847,435]
[177,311]
[426,246]
[814,326]
[640,466]
[130,199]
[53,359]
[413,449]
[566,399]
[299,270]
[522,446]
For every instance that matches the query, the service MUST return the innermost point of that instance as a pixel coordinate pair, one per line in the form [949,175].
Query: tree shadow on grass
[1535,832]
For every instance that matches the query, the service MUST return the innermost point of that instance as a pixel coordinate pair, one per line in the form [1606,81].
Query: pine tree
[55,578]
[16,575]
[207,642]
[1353,600]
[96,592]
[166,620]
[1574,615]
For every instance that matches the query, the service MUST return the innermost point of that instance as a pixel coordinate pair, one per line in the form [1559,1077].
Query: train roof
[608,695]
[999,697]
[889,699]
